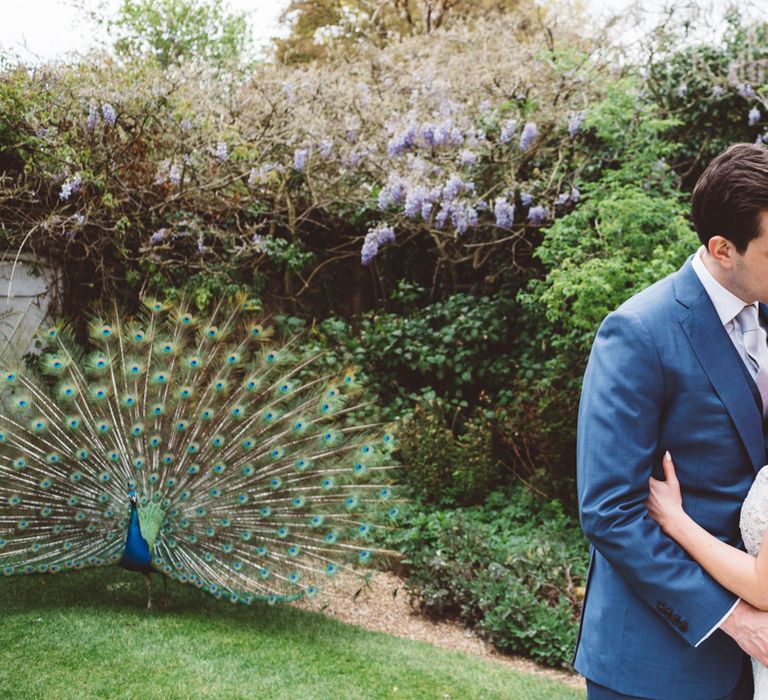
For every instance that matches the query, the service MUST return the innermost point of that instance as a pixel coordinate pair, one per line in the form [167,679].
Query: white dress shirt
[728,306]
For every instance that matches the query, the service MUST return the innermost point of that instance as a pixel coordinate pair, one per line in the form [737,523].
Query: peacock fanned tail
[253,475]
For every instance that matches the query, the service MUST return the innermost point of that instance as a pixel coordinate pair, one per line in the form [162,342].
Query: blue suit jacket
[662,375]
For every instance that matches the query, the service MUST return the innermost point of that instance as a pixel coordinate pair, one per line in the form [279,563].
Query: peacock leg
[166,602]
[149,591]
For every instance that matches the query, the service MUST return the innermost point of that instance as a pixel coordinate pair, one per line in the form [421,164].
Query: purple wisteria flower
[402,141]
[456,138]
[260,173]
[526,198]
[718,91]
[427,134]
[394,192]
[300,158]
[463,216]
[485,107]
[158,236]
[508,130]
[186,124]
[325,148]
[682,89]
[446,208]
[426,210]
[174,175]
[575,122]
[454,187]
[754,116]
[504,212]
[109,114]
[93,117]
[467,157]
[537,215]
[565,197]
[530,132]
[259,244]
[442,134]
[70,187]
[374,239]
[746,91]
[415,200]
[221,152]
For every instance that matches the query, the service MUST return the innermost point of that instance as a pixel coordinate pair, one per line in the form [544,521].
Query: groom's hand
[749,627]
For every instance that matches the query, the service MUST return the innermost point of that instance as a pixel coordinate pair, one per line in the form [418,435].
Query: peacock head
[132,497]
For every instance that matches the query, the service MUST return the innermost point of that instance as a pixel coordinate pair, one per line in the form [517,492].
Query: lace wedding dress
[754,523]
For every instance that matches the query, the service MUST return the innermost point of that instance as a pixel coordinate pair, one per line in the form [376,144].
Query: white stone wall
[32,284]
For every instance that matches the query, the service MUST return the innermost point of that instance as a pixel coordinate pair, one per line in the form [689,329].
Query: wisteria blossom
[504,212]
[754,116]
[174,175]
[454,187]
[537,215]
[325,148]
[394,192]
[402,141]
[221,152]
[508,131]
[463,217]
[526,198]
[300,158]
[374,239]
[158,236]
[259,244]
[93,117]
[70,187]
[109,114]
[746,91]
[682,89]
[575,122]
[529,135]
[260,174]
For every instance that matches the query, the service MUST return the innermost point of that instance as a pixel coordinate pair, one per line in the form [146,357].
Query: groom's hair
[730,194]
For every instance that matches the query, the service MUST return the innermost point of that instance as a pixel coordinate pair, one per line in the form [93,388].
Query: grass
[86,635]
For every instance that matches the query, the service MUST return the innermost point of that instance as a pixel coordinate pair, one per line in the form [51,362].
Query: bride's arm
[744,575]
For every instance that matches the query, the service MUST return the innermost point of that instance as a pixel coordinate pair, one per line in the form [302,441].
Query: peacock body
[206,450]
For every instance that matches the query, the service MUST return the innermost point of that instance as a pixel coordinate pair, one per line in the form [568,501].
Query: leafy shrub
[630,230]
[512,567]
[443,466]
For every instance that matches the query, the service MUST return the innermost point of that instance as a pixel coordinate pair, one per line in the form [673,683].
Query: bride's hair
[730,195]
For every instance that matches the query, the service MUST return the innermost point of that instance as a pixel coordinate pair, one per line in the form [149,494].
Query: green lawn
[86,635]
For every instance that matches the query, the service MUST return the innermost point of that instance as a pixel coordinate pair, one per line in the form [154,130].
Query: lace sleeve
[754,513]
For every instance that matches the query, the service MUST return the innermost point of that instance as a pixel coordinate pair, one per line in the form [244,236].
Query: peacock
[211,450]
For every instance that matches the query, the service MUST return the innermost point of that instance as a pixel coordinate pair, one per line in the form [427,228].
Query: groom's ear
[722,250]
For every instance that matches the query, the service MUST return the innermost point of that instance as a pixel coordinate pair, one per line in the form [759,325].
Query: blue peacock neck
[143,530]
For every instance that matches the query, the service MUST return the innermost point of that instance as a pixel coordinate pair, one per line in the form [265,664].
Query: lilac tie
[754,338]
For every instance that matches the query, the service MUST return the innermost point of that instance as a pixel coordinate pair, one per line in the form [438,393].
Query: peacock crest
[205,449]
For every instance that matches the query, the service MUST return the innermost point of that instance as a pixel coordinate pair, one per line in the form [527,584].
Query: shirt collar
[727,305]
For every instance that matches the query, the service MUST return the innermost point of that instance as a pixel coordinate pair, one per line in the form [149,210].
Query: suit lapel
[719,359]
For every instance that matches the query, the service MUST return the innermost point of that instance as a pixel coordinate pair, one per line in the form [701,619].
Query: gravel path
[385,607]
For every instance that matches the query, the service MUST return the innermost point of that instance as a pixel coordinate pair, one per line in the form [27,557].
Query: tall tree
[319,27]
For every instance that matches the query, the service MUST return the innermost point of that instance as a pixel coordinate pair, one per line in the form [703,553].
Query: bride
[743,573]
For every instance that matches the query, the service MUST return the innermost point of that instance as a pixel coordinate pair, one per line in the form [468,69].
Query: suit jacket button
[676,620]
[683,627]
[659,607]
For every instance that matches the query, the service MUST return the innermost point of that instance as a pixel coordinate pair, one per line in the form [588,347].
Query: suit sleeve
[620,414]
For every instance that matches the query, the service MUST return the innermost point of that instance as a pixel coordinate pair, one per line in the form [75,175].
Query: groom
[670,370]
